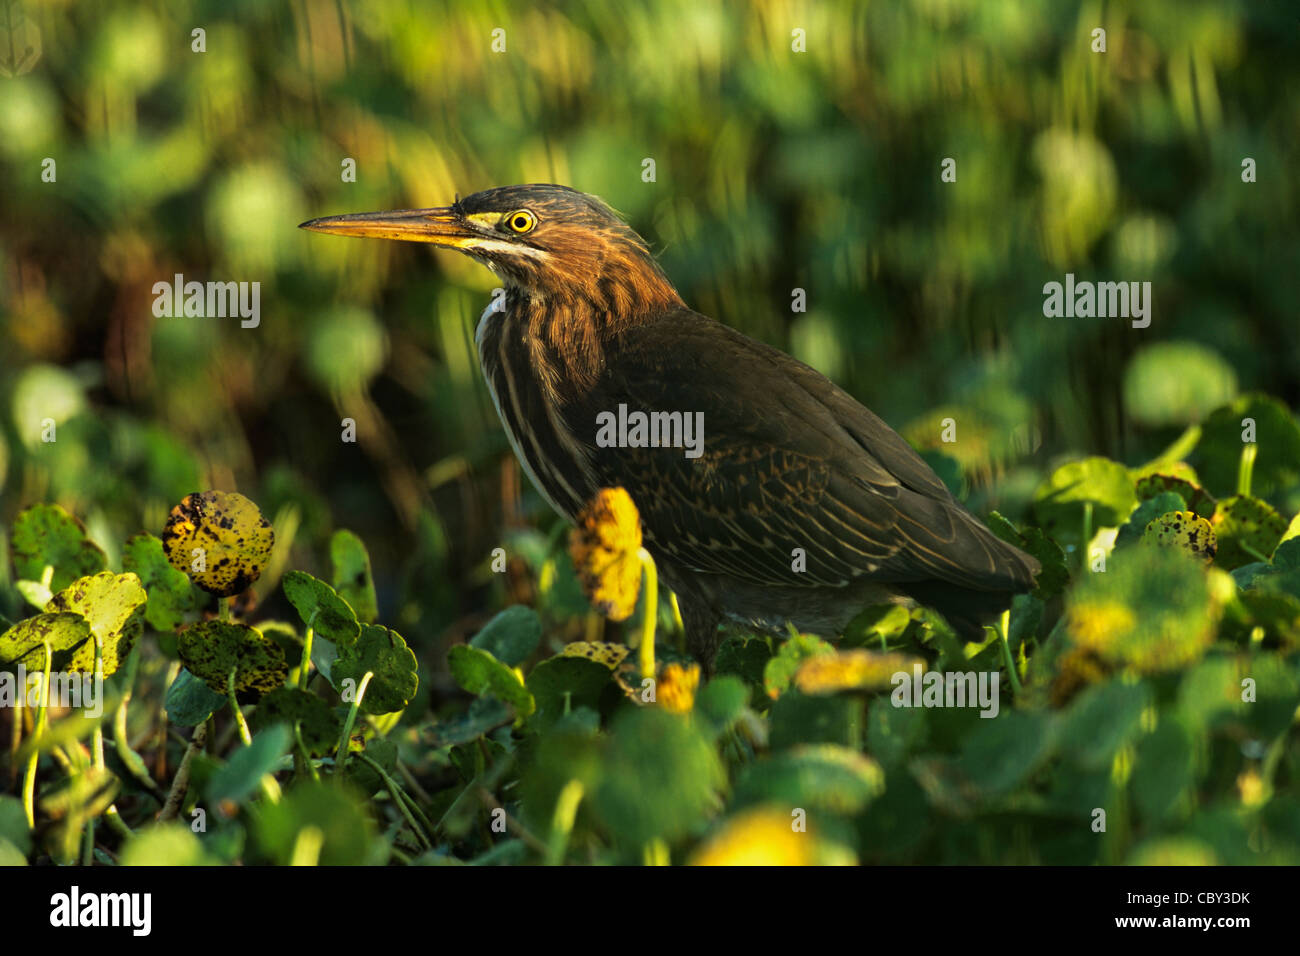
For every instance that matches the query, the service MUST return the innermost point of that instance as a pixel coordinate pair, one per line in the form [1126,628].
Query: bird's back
[789,461]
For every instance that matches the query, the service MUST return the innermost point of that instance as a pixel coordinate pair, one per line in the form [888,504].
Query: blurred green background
[775,170]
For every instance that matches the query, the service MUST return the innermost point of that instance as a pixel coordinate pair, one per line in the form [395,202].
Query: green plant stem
[244,735]
[1181,447]
[649,615]
[1006,652]
[1246,467]
[301,757]
[566,811]
[304,669]
[341,755]
[400,799]
[29,778]
[1086,531]
[88,844]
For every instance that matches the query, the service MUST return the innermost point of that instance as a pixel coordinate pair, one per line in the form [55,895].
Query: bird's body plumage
[802,506]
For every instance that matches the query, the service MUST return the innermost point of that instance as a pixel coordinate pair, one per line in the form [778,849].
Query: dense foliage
[1153,675]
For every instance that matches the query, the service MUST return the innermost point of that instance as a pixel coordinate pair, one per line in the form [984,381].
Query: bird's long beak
[440,226]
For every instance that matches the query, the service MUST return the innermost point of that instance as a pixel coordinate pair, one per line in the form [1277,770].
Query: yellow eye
[521,222]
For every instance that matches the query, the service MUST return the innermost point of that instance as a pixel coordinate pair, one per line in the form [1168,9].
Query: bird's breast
[516,376]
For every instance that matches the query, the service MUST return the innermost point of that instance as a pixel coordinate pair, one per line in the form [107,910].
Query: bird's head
[551,242]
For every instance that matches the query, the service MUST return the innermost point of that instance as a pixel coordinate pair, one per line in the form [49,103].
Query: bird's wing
[789,461]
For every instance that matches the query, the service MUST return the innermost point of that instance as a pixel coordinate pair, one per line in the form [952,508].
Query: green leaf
[1055,575]
[660,778]
[352,576]
[189,701]
[1176,383]
[346,831]
[1162,772]
[478,672]
[242,773]
[1152,610]
[1132,530]
[1218,454]
[34,593]
[113,604]
[1101,720]
[333,617]
[1248,530]
[1192,495]
[511,636]
[170,596]
[13,824]
[873,623]
[1059,501]
[316,720]
[23,643]
[210,650]
[383,653]
[722,702]
[745,657]
[1173,851]
[1002,752]
[799,719]
[565,683]
[823,777]
[47,535]
[485,714]
[166,844]
[780,670]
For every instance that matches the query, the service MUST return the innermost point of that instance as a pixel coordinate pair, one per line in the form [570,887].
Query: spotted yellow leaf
[602,652]
[219,539]
[1185,530]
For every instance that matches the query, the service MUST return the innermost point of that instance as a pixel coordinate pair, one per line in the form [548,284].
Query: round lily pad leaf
[1059,501]
[1131,531]
[564,683]
[114,606]
[478,672]
[511,636]
[170,594]
[166,844]
[1152,610]
[319,605]
[317,722]
[352,576]
[819,776]
[1195,497]
[659,779]
[219,539]
[1218,454]
[1185,530]
[210,650]
[24,642]
[1248,530]
[384,654]
[46,535]
[1176,383]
